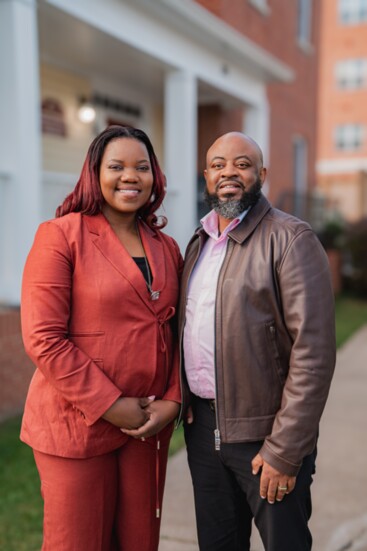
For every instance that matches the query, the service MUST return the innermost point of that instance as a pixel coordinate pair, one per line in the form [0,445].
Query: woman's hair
[87,196]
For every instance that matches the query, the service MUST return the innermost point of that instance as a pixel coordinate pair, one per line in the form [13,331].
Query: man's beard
[231,208]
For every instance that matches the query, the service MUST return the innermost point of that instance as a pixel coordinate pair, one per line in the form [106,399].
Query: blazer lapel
[107,242]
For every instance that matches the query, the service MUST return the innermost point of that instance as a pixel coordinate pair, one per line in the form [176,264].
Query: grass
[20,501]
[177,441]
[350,314]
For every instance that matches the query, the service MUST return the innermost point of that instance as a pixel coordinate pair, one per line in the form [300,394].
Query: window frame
[304,25]
[345,141]
[300,154]
[351,74]
[357,14]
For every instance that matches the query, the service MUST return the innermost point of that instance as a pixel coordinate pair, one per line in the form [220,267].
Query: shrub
[355,255]
[332,234]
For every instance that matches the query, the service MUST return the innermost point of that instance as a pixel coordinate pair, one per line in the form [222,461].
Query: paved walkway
[339,520]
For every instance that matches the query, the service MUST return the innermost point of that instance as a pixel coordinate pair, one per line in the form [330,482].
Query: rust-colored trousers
[103,503]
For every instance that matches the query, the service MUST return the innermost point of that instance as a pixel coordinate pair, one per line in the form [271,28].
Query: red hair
[87,197]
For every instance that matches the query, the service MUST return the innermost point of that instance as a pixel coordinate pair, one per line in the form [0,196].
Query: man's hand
[189,416]
[161,412]
[273,484]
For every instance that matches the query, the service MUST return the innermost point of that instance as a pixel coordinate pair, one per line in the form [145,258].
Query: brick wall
[213,121]
[16,369]
[293,106]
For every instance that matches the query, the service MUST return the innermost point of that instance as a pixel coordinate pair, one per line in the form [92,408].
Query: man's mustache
[230,181]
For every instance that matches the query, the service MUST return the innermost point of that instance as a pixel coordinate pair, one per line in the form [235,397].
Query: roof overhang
[213,32]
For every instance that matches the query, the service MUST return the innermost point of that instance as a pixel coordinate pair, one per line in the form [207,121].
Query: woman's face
[125,177]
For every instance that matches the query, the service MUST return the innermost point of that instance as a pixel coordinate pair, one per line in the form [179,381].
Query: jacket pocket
[91,343]
[271,335]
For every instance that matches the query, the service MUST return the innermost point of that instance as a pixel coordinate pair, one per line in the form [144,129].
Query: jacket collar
[110,247]
[251,220]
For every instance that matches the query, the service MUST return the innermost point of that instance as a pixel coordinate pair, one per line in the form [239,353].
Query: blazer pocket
[91,343]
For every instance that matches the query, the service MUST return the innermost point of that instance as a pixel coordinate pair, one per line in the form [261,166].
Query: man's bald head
[234,175]
[227,140]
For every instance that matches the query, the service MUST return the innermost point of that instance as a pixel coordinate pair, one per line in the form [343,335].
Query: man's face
[234,175]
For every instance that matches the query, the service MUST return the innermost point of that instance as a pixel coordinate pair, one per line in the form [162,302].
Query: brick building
[290,32]
[342,121]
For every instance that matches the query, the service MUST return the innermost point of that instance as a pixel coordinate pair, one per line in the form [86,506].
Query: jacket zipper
[217,440]
[217,436]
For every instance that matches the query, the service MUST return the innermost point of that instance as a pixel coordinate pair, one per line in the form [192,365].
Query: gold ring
[283,488]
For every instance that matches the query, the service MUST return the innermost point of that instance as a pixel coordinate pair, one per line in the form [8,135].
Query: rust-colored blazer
[93,332]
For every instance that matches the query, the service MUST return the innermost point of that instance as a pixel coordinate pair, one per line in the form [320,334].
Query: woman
[99,293]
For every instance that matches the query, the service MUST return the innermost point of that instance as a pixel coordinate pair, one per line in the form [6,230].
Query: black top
[140,262]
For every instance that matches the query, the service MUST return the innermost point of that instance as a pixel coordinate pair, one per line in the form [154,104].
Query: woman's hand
[128,413]
[161,413]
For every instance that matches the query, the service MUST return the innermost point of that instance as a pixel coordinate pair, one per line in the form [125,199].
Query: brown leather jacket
[275,334]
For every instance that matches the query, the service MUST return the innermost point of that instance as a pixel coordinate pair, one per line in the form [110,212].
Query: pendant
[154,295]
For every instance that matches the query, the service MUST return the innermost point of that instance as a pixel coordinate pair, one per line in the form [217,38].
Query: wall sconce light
[86,111]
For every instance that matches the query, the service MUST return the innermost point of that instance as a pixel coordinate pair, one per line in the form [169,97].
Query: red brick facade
[213,121]
[346,184]
[15,367]
[292,106]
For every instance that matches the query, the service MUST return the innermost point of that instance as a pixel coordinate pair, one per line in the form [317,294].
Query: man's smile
[230,185]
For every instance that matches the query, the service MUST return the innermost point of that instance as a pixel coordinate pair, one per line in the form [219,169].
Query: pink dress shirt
[199,342]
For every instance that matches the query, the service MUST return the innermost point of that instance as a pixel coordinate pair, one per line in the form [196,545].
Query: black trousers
[227,494]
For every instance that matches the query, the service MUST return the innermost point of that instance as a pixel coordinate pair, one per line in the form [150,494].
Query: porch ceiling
[74,45]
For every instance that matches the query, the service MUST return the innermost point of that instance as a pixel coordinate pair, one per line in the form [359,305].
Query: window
[349,137]
[352,12]
[351,73]
[304,22]
[300,154]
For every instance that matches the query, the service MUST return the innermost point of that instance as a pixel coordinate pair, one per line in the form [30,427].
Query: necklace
[154,295]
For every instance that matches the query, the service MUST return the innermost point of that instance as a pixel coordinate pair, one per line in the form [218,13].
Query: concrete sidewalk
[339,520]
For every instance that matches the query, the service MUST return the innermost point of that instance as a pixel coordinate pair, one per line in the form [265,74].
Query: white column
[257,125]
[20,173]
[180,154]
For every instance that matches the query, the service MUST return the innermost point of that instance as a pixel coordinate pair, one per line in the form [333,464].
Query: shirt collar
[210,224]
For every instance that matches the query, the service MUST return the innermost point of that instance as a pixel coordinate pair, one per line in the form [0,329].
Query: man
[257,330]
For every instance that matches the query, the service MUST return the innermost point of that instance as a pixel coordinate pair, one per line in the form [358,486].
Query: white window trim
[300,155]
[306,46]
[304,43]
[261,5]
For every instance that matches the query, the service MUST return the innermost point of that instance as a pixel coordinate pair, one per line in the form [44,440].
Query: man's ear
[263,173]
[205,174]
